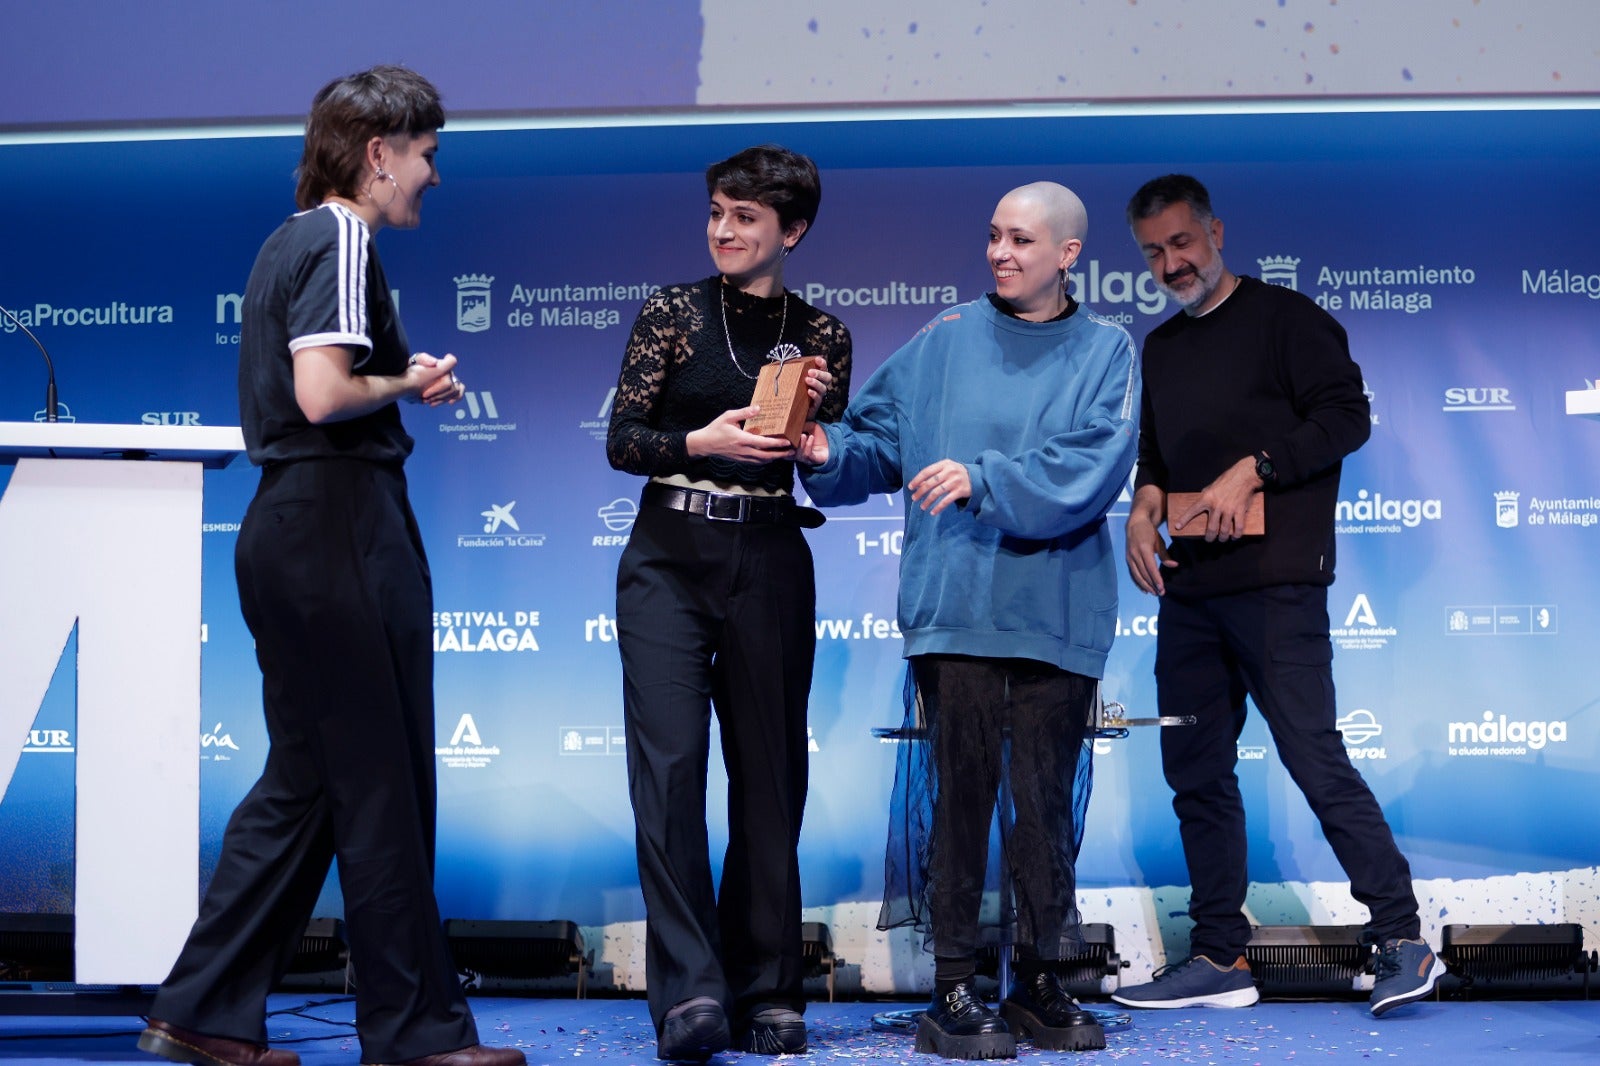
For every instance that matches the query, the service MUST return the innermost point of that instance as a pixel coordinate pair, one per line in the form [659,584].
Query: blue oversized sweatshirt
[1043,415]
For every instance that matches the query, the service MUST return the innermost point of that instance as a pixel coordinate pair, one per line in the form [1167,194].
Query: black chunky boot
[959,1025]
[1040,1009]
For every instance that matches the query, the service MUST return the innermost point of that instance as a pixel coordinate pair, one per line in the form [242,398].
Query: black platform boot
[959,1025]
[1041,1010]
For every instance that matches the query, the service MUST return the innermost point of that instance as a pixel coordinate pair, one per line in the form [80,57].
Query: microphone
[51,407]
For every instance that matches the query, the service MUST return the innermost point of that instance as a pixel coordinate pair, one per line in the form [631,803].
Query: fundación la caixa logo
[474,297]
[500,529]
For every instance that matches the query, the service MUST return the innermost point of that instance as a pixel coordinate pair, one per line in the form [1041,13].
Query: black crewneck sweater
[1266,370]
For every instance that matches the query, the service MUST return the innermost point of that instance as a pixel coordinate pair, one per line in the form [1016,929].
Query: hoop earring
[383,175]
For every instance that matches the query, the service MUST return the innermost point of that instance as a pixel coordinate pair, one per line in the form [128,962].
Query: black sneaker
[693,1031]
[961,1026]
[1039,1009]
[774,1031]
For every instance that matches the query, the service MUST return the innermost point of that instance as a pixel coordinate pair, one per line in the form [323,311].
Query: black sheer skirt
[1007,743]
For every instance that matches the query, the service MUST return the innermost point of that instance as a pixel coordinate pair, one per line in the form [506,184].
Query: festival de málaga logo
[474,301]
[485,631]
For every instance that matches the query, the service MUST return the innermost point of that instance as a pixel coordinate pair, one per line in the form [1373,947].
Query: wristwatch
[1266,469]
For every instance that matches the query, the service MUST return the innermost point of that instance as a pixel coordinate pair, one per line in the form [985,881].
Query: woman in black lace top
[716,609]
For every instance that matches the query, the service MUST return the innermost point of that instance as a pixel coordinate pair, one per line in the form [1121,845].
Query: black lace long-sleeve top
[678,375]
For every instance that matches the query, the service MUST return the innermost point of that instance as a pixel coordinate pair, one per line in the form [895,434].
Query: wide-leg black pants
[1273,645]
[336,591]
[717,615]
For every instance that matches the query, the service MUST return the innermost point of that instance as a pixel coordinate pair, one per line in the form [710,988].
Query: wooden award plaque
[781,393]
[1255,517]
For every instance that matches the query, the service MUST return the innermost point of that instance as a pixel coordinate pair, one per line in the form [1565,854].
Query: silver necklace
[780,353]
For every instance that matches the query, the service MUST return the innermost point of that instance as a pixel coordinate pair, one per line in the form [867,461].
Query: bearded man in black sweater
[1251,400]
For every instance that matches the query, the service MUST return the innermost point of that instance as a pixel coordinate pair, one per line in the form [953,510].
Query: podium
[100,527]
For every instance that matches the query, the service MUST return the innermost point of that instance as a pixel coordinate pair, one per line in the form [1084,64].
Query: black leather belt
[732,506]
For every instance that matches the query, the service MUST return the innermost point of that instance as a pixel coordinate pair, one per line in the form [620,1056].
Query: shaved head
[1058,208]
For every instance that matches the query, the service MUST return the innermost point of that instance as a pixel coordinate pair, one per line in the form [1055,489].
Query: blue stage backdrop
[1454,248]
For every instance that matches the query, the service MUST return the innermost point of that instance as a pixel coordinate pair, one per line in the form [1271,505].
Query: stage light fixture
[1309,961]
[1491,960]
[36,947]
[321,960]
[520,950]
[816,953]
[1084,973]
[322,947]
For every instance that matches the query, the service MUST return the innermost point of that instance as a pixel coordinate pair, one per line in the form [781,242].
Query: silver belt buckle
[739,512]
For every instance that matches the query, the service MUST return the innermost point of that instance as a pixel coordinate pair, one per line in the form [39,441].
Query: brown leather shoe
[476,1055]
[182,1045]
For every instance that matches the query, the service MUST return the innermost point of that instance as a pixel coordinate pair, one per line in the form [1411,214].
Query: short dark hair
[1158,194]
[770,174]
[350,111]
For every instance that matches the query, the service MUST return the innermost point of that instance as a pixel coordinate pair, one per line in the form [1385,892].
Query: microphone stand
[51,407]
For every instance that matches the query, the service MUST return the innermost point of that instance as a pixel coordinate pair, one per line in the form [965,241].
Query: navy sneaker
[1195,982]
[959,1025]
[1404,971]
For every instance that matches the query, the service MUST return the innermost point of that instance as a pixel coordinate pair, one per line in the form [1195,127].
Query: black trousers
[1273,645]
[336,592]
[1025,719]
[717,615]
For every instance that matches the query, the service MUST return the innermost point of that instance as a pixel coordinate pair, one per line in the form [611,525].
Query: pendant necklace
[781,353]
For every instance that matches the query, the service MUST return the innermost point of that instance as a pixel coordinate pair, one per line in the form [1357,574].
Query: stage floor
[610,1032]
